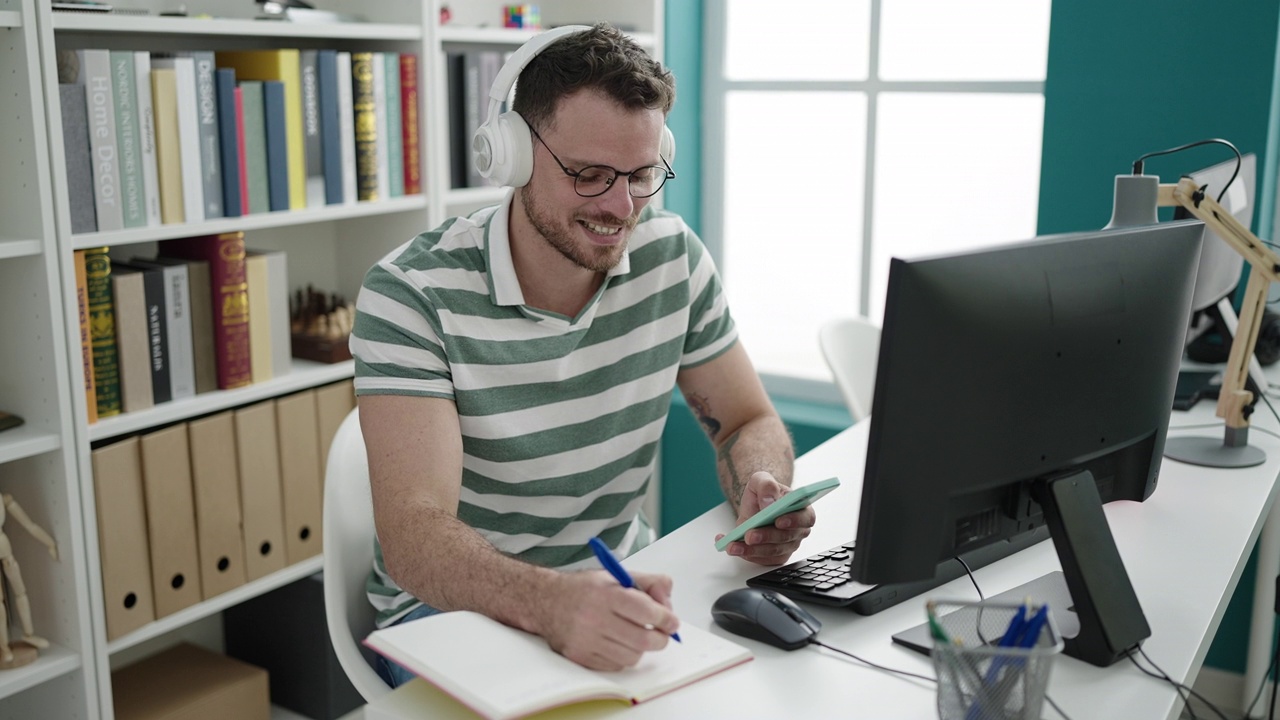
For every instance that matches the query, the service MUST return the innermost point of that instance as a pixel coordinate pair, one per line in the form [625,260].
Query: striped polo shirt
[561,416]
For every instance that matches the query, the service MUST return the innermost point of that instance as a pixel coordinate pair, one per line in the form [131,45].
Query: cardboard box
[122,537]
[171,520]
[216,484]
[261,500]
[187,682]
[301,482]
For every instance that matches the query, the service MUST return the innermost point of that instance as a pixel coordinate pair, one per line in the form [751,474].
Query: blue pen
[619,573]
[1031,634]
[1012,635]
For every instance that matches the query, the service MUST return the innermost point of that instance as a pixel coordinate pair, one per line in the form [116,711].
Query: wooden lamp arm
[1264,268]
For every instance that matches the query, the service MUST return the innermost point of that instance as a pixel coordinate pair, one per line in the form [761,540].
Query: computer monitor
[1021,386]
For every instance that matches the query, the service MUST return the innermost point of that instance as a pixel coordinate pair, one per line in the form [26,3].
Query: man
[514,371]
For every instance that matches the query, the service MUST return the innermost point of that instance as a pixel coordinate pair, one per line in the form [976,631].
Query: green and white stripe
[561,417]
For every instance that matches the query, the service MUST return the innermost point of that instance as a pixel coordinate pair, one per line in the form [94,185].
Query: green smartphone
[799,498]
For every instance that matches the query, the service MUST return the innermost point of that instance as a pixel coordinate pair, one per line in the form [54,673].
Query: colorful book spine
[409,123]
[238,99]
[190,160]
[230,299]
[164,96]
[106,362]
[366,125]
[124,88]
[394,125]
[330,126]
[347,128]
[228,142]
[255,147]
[86,337]
[284,66]
[275,119]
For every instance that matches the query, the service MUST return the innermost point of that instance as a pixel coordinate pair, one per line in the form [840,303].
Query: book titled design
[503,673]
[229,297]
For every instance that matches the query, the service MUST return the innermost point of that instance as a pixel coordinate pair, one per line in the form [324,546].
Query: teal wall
[1130,77]
[683,30]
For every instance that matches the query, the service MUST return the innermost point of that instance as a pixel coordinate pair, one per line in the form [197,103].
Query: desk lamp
[1136,198]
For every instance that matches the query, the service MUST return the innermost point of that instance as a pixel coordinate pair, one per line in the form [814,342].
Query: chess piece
[18,590]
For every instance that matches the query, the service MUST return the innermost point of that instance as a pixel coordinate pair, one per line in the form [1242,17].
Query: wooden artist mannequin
[9,564]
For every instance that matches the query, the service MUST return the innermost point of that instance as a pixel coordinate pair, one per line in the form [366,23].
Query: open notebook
[503,673]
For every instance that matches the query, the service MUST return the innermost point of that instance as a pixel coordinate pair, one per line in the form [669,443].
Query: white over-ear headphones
[502,147]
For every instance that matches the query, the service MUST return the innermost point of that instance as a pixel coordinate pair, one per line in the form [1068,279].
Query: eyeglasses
[595,180]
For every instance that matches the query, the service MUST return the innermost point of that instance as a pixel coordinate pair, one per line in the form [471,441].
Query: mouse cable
[1178,687]
[819,643]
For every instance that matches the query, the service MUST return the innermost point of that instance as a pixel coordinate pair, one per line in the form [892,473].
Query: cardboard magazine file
[171,520]
[187,682]
[333,403]
[300,479]
[216,485]
[122,537]
[261,503]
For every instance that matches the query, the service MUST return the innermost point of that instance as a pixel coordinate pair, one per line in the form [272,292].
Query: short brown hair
[601,58]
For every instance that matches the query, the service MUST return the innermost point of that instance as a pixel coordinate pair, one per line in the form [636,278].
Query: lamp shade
[1135,202]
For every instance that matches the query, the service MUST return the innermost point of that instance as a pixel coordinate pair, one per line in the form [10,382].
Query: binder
[216,487]
[300,479]
[122,538]
[261,503]
[171,520]
[333,403]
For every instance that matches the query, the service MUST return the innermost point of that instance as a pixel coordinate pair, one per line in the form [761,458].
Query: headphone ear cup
[503,150]
[667,146]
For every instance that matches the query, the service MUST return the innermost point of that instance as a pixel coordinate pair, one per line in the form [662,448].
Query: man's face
[590,129]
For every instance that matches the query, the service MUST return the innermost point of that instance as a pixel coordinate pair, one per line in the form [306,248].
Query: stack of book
[155,139]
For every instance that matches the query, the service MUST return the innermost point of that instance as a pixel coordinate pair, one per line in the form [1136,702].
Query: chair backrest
[348,556]
[851,347]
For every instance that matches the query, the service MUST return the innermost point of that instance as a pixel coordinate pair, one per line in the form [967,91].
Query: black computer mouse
[766,616]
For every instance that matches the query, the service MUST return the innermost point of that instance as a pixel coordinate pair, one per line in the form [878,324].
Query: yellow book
[255,272]
[164,100]
[282,65]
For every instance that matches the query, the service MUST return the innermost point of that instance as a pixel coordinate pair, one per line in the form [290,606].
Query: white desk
[1184,549]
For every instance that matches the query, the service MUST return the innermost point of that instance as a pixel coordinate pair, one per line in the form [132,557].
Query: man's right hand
[592,620]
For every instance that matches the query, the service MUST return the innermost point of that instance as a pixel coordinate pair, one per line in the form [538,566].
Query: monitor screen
[1006,367]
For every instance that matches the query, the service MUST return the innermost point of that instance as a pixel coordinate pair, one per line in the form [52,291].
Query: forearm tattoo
[701,407]
[736,484]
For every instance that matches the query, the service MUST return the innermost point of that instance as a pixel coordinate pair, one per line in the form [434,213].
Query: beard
[566,239]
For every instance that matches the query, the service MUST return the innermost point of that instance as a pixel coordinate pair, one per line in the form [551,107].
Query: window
[839,133]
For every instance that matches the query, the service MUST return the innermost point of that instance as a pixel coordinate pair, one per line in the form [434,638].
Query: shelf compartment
[23,442]
[305,375]
[54,661]
[10,19]
[257,221]
[137,25]
[19,248]
[184,617]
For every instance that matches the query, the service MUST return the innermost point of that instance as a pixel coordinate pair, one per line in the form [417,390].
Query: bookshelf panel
[53,662]
[24,442]
[20,248]
[98,23]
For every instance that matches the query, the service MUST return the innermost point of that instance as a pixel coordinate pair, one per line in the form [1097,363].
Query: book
[106,360]
[228,142]
[207,114]
[177,321]
[95,75]
[255,147]
[465,654]
[346,128]
[278,309]
[409,123]
[147,136]
[164,100]
[238,97]
[366,125]
[381,143]
[459,142]
[75,148]
[133,342]
[282,65]
[124,88]
[229,299]
[393,126]
[188,125]
[312,143]
[204,357]
[280,189]
[330,125]
[255,273]
[157,332]
[86,337]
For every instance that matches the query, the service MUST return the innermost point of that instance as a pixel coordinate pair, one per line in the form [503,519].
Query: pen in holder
[992,660]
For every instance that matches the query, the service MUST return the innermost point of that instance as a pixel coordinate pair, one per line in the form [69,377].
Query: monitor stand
[1092,600]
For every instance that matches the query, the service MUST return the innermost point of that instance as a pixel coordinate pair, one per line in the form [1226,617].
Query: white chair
[851,347]
[348,557]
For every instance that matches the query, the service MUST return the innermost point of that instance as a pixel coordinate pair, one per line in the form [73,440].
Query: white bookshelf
[46,463]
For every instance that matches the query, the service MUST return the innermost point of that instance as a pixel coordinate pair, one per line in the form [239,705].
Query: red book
[244,166]
[409,123]
[225,255]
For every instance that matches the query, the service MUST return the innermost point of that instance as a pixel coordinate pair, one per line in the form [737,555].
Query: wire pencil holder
[980,680]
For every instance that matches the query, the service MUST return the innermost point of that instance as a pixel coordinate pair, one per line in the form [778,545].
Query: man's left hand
[771,544]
